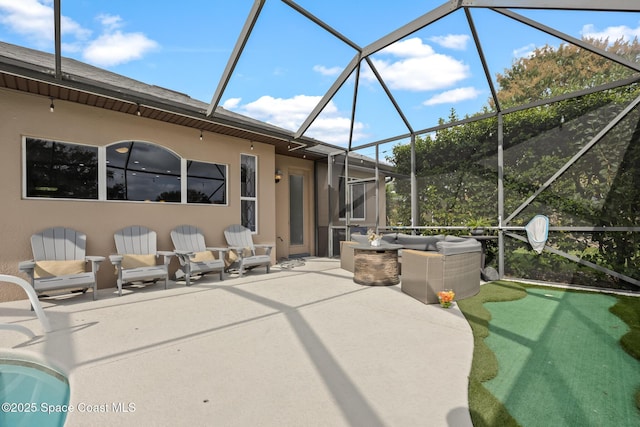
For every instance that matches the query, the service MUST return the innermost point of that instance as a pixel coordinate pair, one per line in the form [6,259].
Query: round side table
[376,265]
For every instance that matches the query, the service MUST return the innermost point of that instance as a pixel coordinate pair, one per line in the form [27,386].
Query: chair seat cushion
[232,256]
[58,268]
[136,260]
[202,256]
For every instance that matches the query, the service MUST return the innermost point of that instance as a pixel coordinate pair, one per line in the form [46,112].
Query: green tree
[456,167]
[551,71]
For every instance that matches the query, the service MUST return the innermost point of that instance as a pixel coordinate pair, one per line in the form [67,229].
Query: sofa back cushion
[455,239]
[360,238]
[459,247]
[389,238]
[432,246]
[419,243]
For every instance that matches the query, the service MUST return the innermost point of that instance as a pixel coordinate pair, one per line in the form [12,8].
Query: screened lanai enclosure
[473,112]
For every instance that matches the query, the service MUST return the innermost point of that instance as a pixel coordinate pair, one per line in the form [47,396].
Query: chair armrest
[183,256]
[239,250]
[27,266]
[222,252]
[181,252]
[167,256]
[267,247]
[346,254]
[95,262]
[116,259]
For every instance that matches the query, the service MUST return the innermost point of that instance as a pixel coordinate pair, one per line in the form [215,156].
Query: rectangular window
[206,183]
[248,191]
[356,202]
[342,204]
[60,170]
[296,209]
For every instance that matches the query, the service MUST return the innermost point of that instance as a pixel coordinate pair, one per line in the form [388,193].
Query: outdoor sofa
[429,263]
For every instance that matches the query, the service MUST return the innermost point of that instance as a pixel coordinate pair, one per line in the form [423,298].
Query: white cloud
[325,71]
[452,41]
[110,22]
[611,33]
[419,68]
[116,48]
[334,129]
[453,96]
[412,47]
[289,113]
[231,103]
[33,19]
[524,51]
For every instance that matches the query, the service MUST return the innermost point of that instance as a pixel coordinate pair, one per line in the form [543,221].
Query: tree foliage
[457,167]
[551,71]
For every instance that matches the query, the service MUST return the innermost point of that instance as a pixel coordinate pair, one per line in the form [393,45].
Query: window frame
[253,199]
[142,169]
[342,187]
[364,201]
[102,167]
[185,177]
[25,168]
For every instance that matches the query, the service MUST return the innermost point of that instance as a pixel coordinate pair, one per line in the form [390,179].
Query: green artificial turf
[545,356]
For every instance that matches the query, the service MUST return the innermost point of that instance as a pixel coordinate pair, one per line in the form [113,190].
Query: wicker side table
[376,265]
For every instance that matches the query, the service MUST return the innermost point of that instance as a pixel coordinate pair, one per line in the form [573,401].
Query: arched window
[141,171]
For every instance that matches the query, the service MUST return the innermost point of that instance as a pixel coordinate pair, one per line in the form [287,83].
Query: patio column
[377,181]
[500,195]
[414,183]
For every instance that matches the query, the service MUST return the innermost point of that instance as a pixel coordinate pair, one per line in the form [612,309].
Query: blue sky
[289,62]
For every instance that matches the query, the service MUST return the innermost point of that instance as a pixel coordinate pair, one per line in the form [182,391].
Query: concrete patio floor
[299,347]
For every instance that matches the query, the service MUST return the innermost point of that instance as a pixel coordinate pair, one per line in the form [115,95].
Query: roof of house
[34,71]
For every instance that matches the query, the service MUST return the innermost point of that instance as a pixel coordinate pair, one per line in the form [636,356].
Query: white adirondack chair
[136,258]
[59,261]
[241,244]
[195,257]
